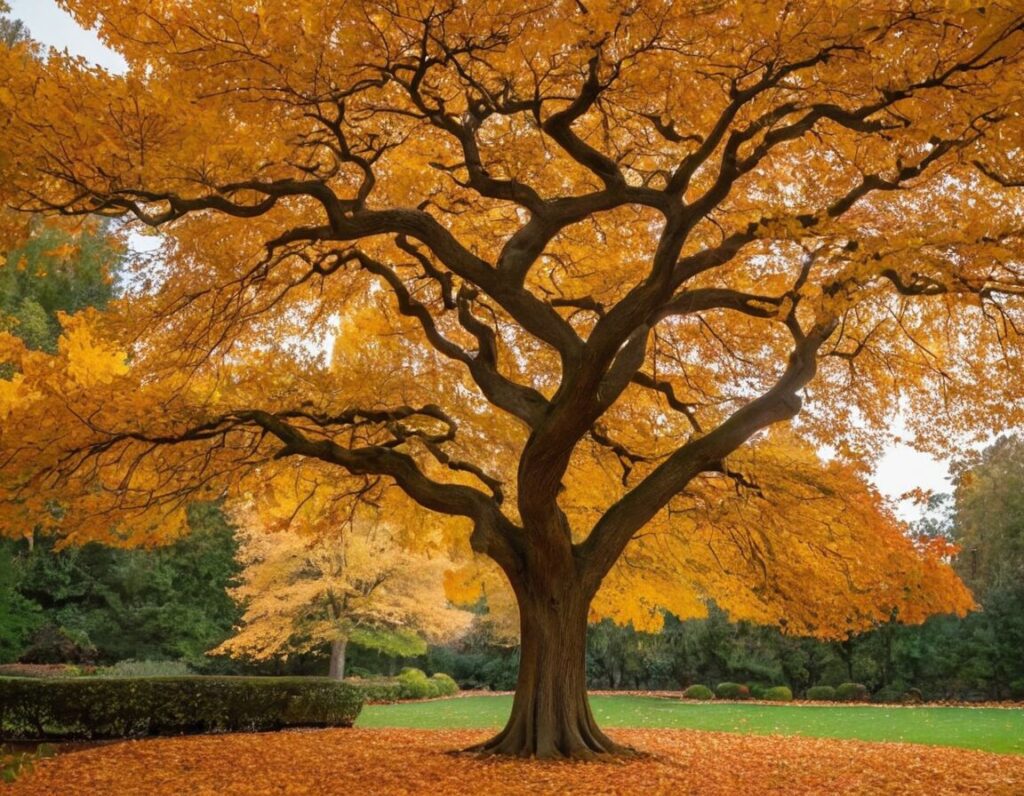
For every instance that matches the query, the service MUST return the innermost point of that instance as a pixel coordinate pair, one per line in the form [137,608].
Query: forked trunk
[551,715]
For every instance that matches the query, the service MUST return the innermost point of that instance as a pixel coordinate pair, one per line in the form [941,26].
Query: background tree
[108,604]
[584,256]
[12,31]
[302,588]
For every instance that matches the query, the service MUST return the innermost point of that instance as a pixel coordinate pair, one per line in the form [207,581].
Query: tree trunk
[551,716]
[337,668]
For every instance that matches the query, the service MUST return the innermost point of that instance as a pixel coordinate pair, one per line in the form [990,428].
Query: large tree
[580,259]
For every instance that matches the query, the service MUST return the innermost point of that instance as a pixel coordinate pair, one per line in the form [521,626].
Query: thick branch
[613,531]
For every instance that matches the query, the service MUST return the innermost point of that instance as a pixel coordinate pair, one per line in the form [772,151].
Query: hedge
[410,684]
[732,691]
[698,692]
[779,693]
[851,692]
[821,693]
[377,689]
[36,709]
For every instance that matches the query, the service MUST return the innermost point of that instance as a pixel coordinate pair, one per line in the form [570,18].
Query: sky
[50,25]
[900,469]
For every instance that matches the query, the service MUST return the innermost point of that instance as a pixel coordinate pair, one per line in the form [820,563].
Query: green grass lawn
[991,729]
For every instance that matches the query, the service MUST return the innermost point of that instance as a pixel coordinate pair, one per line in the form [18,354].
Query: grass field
[990,729]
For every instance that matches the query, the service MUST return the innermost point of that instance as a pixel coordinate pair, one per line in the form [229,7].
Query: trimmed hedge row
[410,684]
[132,707]
[698,692]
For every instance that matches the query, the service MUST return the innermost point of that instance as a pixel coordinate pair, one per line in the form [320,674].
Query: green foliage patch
[14,765]
[852,692]
[779,693]
[732,691]
[130,668]
[410,684]
[698,692]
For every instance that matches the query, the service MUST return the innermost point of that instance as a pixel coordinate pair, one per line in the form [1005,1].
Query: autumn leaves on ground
[420,762]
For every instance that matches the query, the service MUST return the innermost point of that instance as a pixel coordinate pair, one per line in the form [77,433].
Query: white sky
[50,25]
[901,467]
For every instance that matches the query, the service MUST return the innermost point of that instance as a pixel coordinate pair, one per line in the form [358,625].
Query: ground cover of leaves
[418,762]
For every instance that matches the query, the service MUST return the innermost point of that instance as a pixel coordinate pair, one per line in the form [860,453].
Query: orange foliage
[578,286]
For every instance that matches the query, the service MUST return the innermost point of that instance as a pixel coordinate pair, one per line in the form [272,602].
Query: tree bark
[337,667]
[551,715]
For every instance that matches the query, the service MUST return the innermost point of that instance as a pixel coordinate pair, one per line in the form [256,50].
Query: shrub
[756,690]
[698,692]
[779,693]
[821,693]
[889,693]
[45,670]
[912,696]
[53,644]
[851,692]
[444,684]
[1017,689]
[130,668]
[732,691]
[415,684]
[129,707]
[378,690]
[410,684]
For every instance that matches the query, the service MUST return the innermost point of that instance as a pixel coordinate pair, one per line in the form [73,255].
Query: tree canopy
[591,281]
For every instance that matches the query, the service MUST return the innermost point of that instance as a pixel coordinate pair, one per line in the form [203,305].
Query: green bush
[821,693]
[889,694]
[912,696]
[54,644]
[415,684]
[410,684]
[757,690]
[732,691]
[378,689]
[779,693]
[1017,689]
[40,709]
[444,685]
[852,692]
[130,668]
[45,670]
[698,692]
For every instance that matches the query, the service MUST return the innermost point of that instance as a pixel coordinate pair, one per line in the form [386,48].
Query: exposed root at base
[604,750]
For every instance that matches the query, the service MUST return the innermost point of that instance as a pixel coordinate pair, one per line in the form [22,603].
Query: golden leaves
[269,139]
[318,567]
